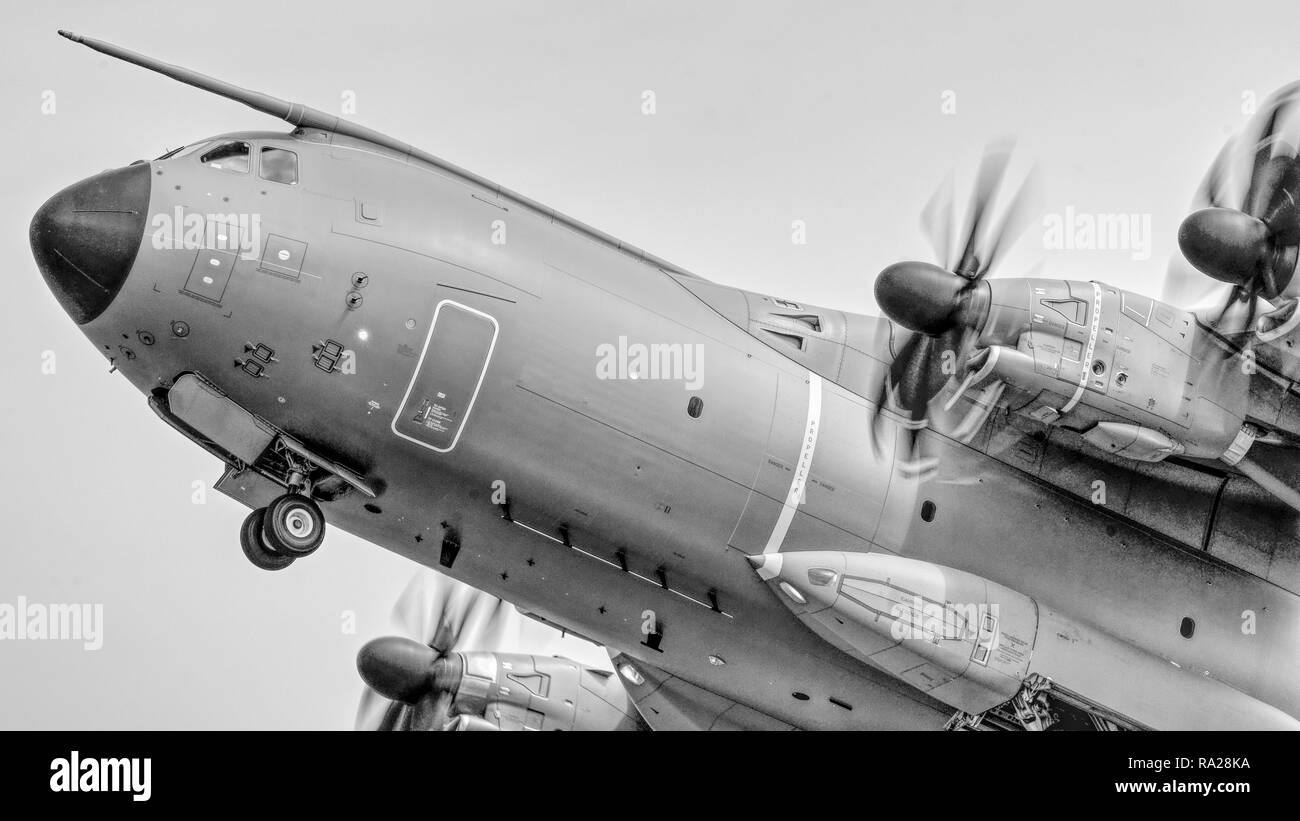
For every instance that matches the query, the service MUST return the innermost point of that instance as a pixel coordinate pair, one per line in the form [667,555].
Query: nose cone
[919,296]
[1225,244]
[85,238]
[397,668]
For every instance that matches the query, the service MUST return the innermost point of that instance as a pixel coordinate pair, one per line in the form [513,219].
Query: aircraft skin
[626,514]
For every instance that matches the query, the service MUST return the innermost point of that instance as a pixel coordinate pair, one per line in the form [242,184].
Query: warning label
[434,415]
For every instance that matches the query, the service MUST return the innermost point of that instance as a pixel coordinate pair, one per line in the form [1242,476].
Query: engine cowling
[1138,377]
[512,691]
[975,644]
[482,690]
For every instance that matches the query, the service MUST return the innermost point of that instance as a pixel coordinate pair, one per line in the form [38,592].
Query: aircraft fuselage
[603,443]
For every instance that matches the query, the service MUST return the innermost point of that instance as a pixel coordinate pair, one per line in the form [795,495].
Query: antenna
[293,113]
[305,116]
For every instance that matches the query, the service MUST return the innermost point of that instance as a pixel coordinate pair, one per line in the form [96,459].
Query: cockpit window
[228,157]
[279,165]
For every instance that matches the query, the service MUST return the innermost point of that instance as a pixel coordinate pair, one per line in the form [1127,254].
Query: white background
[766,113]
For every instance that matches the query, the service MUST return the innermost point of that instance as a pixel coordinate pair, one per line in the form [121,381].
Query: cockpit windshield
[279,165]
[232,156]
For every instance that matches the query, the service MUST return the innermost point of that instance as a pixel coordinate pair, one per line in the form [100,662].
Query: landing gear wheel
[293,526]
[250,539]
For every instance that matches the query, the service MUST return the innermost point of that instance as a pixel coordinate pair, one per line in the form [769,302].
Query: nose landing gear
[293,525]
[289,528]
[261,461]
[250,539]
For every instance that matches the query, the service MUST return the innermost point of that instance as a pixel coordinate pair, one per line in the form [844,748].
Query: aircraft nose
[85,238]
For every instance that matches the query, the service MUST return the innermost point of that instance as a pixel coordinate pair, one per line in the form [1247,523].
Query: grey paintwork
[625,510]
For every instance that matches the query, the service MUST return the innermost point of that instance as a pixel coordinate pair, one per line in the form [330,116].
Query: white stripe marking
[1087,356]
[802,467]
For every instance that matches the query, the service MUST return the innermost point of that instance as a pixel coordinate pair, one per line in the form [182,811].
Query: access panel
[448,377]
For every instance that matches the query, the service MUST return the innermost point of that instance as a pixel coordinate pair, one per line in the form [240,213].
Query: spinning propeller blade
[411,679]
[945,305]
[1249,241]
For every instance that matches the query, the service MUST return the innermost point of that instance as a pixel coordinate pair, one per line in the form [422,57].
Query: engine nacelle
[1138,377]
[974,644]
[513,691]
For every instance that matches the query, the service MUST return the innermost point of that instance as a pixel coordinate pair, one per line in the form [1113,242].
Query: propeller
[411,679]
[944,306]
[1185,285]
[1249,238]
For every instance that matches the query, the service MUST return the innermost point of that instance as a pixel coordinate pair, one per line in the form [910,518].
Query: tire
[250,539]
[293,526]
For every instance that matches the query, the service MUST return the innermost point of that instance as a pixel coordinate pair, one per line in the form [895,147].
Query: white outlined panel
[448,376]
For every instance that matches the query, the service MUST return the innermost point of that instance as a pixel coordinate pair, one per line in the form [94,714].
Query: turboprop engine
[1139,378]
[492,691]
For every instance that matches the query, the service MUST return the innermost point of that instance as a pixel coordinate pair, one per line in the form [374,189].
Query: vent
[535,683]
[695,407]
[788,340]
[810,321]
[1071,309]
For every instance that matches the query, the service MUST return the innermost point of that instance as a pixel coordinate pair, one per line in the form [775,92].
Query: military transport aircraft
[1015,503]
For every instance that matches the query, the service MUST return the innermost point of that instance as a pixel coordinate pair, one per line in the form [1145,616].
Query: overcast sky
[845,116]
